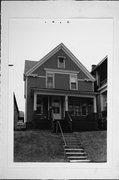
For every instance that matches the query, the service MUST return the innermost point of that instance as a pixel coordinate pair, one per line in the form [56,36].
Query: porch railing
[59,125]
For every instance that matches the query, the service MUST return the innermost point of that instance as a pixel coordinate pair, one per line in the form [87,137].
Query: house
[21,116]
[99,71]
[16,112]
[59,88]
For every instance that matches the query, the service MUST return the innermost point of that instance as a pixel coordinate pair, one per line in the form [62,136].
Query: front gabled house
[59,88]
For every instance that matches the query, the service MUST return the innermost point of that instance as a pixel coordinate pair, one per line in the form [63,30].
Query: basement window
[61,62]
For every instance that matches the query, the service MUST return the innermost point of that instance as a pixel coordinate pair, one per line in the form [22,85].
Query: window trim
[64,61]
[72,75]
[47,73]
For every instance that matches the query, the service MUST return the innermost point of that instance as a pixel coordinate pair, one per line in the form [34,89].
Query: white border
[60,10]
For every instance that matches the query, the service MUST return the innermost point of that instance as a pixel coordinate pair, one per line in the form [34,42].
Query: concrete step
[74,150]
[72,143]
[74,146]
[80,161]
[76,157]
[76,153]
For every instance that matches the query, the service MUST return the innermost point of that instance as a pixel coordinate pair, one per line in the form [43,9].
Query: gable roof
[29,69]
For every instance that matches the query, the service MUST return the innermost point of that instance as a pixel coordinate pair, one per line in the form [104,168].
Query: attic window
[61,62]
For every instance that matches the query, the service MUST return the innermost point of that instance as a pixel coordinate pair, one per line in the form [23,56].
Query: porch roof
[61,92]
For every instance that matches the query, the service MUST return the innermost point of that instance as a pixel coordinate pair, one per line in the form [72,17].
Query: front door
[56,105]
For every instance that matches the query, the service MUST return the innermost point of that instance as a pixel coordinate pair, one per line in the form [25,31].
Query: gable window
[61,62]
[73,82]
[50,80]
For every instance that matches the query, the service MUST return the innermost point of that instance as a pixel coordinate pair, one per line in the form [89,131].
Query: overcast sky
[90,40]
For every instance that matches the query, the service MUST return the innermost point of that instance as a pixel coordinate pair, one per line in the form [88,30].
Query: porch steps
[80,161]
[74,151]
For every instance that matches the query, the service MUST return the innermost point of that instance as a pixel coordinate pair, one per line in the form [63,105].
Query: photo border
[70,10]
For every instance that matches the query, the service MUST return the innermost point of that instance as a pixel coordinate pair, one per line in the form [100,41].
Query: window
[84,110]
[89,108]
[39,105]
[73,82]
[61,62]
[50,80]
[71,109]
[77,110]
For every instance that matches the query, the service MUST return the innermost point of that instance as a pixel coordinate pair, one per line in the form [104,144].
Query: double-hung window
[73,82]
[50,80]
[61,62]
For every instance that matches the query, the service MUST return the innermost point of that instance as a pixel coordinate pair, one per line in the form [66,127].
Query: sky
[90,40]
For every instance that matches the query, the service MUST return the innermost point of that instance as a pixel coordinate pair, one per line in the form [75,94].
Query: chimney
[92,67]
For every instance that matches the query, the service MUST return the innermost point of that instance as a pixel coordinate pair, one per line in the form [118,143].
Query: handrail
[62,133]
[69,116]
[69,121]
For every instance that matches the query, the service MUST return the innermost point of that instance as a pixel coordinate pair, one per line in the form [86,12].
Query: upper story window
[50,80]
[61,62]
[73,82]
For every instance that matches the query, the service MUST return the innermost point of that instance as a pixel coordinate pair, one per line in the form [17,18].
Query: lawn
[45,146]
[95,144]
[37,146]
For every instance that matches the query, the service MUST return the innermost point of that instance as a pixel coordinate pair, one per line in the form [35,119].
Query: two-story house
[99,71]
[59,88]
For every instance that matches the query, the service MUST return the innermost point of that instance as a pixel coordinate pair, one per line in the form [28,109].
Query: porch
[75,112]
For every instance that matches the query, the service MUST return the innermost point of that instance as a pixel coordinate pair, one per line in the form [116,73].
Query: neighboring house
[59,88]
[99,71]
[21,116]
[16,112]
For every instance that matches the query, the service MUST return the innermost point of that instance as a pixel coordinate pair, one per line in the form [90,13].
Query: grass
[95,144]
[37,146]
[44,146]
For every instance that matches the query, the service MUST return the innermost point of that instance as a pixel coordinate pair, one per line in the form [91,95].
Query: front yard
[37,146]
[44,146]
[95,144]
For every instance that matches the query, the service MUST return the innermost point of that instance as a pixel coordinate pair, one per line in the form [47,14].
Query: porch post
[35,100]
[66,103]
[94,104]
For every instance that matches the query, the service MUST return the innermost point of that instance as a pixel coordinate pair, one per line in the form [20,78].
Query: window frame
[74,75]
[59,63]
[47,74]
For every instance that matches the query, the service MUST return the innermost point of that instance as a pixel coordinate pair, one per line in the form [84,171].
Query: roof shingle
[28,65]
